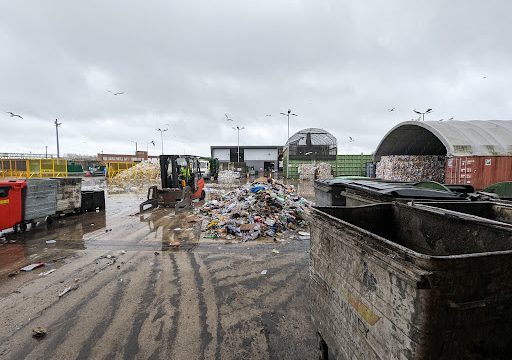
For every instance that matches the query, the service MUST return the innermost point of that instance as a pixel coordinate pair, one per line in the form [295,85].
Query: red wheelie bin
[11,203]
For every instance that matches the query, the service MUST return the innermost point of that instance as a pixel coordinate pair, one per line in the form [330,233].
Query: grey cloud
[339,64]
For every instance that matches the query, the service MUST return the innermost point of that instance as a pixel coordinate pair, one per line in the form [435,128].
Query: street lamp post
[162,137]
[287,114]
[57,124]
[428,111]
[238,128]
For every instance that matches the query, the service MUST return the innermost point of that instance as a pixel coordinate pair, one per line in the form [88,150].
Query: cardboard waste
[321,171]
[411,168]
[262,208]
[138,177]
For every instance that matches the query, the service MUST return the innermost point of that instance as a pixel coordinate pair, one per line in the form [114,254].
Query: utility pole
[162,137]
[238,128]
[287,114]
[57,124]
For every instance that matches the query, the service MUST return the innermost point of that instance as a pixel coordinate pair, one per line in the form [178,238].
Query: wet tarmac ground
[134,294]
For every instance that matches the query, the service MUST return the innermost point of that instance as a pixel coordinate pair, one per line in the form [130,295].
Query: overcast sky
[340,65]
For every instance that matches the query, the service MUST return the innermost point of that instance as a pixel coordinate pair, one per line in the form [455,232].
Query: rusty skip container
[69,195]
[394,281]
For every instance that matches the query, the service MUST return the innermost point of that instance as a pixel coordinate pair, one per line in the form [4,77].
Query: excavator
[182,182]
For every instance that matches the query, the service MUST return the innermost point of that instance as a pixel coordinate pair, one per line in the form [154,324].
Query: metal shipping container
[69,195]
[479,171]
[40,200]
[393,281]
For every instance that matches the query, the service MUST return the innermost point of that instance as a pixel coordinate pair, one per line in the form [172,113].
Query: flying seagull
[350,137]
[484,77]
[14,115]
[116,93]
[227,118]
[392,109]
[451,118]
[268,115]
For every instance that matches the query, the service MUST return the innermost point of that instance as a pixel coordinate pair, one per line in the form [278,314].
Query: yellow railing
[33,168]
[114,168]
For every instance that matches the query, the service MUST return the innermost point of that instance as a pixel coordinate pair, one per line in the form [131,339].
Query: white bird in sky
[14,115]
[116,93]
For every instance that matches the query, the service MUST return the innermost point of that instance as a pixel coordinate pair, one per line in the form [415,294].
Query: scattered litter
[262,208]
[275,251]
[109,256]
[12,274]
[178,229]
[39,332]
[264,272]
[47,272]
[304,233]
[76,279]
[51,241]
[123,252]
[175,244]
[92,224]
[119,266]
[157,253]
[68,289]
[32,267]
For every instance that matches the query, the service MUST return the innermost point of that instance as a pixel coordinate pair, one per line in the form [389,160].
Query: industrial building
[258,157]
[474,152]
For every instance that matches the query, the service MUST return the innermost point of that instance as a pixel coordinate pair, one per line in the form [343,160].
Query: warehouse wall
[269,154]
[221,154]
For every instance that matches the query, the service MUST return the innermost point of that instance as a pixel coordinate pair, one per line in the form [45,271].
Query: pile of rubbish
[263,208]
[411,168]
[321,171]
[228,177]
[138,177]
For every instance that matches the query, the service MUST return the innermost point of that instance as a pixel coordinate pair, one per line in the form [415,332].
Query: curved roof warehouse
[450,138]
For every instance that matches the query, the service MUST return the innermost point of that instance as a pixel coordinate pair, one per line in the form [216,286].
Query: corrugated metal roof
[452,138]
